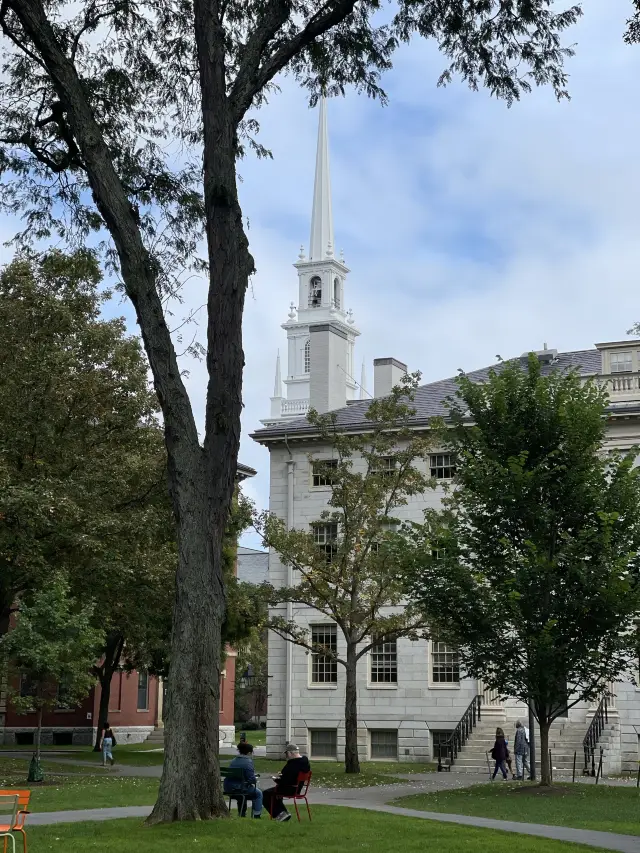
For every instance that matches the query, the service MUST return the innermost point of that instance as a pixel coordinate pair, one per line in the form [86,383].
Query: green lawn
[13,770]
[330,774]
[258,737]
[61,793]
[580,805]
[333,830]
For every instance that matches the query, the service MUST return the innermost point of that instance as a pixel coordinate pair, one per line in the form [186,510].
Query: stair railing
[460,735]
[599,721]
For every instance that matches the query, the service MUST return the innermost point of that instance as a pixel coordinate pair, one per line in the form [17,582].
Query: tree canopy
[127,118]
[532,566]
[343,565]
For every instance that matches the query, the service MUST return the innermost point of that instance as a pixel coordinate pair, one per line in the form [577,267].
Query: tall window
[307,356]
[621,362]
[324,668]
[443,466]
[384,743]
[336,292]
[324,743]
[322,471]
[143,691]
[445,664]
[315,292]
[326,538]
[384,662]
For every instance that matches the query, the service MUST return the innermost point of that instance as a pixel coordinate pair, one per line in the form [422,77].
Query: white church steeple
[321,242]
[320,331]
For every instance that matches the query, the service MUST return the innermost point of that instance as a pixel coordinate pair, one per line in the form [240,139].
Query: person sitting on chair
[248,785]
[286,782]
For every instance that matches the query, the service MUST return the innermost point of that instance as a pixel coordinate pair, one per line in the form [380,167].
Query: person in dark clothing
[248,785]
[286,782]
[500,754]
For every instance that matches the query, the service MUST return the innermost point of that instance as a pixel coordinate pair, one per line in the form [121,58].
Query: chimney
[387,372]
[328,374]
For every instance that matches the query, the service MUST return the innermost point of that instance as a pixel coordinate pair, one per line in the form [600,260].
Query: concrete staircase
[565,738]
[156,738]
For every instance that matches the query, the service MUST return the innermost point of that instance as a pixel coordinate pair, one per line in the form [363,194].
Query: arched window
[315,292]
[307,356]
[336,292]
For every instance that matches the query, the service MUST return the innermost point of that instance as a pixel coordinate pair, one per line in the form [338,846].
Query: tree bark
[110,663]
[201,481]
[39,733]
[351,758]
[545,765]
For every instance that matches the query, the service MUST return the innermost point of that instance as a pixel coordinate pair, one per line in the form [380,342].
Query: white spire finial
[277,387]
[321,214]
[363,382]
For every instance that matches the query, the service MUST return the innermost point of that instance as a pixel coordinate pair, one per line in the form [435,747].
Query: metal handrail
[600,720]
[460,734]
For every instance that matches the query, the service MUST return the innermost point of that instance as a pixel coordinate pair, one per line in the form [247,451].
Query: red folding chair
[302,787]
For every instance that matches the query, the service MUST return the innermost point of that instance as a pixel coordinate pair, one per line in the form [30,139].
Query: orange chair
[23,802]
[302,786]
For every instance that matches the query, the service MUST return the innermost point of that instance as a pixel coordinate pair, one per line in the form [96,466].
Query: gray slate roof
[253,565]
[429,398]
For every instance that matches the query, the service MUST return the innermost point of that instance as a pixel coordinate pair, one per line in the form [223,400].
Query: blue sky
[470,229]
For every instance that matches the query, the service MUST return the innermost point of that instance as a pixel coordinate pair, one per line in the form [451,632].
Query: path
[375,799]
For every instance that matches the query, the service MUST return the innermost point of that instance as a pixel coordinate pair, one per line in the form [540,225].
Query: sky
[471,230]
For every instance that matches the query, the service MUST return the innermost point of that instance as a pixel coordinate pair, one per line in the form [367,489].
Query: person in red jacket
[286,782]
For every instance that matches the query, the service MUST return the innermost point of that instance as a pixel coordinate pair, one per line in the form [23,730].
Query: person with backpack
[521,750]
[500,753]
[108,742]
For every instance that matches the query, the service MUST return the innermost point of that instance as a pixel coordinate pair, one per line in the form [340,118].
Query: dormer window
[315,292]
[621,362]
[336,292]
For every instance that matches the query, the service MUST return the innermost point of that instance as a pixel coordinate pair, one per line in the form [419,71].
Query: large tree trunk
[38,733]
[201,481]
[545,764]
[110,663]
[190,786]
[351,758]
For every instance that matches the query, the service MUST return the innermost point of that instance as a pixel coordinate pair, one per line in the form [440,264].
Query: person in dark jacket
[286,782]
[248,785]
[500,753]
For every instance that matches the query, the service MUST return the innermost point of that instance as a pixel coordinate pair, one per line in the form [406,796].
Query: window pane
[439,742]
[324,669]
[385,466]
[143,691]
[322,475]
[307,357]
[324,743]
[384,663]
[325,537]
[384,744]
[621,362]
[443,466]
[445,664]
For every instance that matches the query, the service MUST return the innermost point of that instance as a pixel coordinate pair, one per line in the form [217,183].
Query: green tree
[532,565]
[96,99]
[82,458]
[51,651]
[354,577]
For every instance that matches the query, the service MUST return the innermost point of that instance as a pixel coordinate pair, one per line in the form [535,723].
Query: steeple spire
[321,242]
[277,387]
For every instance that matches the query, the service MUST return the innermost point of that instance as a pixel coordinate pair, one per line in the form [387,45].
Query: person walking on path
[248,785]
[500,753]
[108,742]
[521,751]
[286,782]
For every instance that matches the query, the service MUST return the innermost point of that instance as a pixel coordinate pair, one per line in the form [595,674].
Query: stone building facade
[411,695]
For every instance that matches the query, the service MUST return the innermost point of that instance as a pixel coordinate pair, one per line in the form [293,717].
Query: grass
[258,737]
[15,769]
[62,793]
[333,830]
[330,774]
[579,805]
